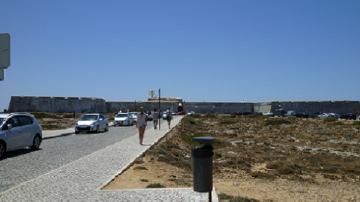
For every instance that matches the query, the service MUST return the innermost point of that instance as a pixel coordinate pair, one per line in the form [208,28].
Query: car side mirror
[9,126]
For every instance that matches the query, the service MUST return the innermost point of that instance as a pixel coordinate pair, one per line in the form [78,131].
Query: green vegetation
[42,115]
[229,120]
[155,185]
[223,196]
[144,180]
[242,199]
[330,119]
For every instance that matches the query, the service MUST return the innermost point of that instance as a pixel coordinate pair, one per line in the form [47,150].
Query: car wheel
[2,150]
[106,128]
[36,143]
[97,129]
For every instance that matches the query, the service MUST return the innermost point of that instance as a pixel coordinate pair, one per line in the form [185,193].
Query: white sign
[4,51]
[1,74]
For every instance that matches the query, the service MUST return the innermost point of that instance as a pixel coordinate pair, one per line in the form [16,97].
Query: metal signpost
[2,74]
[4,53]
[159,108]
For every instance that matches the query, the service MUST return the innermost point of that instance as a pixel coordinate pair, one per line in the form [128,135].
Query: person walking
[141,125]
[169,117]
[155,118]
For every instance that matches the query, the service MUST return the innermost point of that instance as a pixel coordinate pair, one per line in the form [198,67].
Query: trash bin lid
[205,139]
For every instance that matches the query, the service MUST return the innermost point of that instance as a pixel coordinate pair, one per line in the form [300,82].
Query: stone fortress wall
[98,105]
[56,104]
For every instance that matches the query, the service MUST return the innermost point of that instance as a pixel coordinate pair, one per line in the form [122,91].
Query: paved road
[24,165]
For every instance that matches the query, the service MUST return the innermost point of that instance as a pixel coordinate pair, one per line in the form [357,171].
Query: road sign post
[1,74]
[4,53]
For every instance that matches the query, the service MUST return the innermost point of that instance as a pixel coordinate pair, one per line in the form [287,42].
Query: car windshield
[89,117]
[1,120]
[121,115]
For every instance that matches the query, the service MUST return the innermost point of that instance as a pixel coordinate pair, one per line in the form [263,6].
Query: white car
[92,123]
[123,119]
[134,116]
[328,115]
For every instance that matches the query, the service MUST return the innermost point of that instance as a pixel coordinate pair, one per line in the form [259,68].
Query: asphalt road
[23,165]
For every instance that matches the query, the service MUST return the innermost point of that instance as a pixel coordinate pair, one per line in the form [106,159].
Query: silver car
[123,119]
[92,123]
[17,131]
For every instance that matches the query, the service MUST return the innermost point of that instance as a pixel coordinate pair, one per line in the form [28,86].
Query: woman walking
[169,117]
[141,125]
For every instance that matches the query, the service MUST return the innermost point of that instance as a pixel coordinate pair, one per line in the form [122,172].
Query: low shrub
[155,185]
[242,199]
[330,119]
[276,121]
[223,196]
[140,168]
[356,123]
[42,115]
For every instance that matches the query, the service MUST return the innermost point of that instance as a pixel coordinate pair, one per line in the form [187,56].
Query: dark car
[302,115]
[349,116]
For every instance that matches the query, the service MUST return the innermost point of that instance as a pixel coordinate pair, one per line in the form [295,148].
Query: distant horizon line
[134,100]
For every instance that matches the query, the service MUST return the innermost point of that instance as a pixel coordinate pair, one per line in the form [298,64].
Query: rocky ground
[259,158]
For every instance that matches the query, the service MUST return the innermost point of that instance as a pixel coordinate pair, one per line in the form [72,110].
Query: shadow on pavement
[19,152]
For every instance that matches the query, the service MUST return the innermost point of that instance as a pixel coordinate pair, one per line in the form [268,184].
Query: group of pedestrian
[142,122]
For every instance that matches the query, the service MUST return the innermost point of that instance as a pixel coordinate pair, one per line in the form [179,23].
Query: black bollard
[202,157]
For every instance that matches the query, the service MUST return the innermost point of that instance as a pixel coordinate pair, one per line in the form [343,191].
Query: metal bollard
[202,157]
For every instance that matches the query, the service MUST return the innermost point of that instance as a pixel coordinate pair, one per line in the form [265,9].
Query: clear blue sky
[199,50]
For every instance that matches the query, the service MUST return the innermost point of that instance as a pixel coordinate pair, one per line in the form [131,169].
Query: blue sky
[200,50]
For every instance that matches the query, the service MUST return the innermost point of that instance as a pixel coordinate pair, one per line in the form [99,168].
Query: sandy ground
[251,166]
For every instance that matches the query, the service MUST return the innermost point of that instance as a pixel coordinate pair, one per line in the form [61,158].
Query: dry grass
[302,152]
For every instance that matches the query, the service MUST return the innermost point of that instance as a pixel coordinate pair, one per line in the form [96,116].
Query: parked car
[149,116]
[123,119]
[164,115]
[92,123]
[268,114]
[302,115]
[134,116]
[17,131]
[241,113]
[349,116]
[329,115]
[279,112]
[290,113]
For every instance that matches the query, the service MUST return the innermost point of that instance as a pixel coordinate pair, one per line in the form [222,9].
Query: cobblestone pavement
[24,165]
[46,134]
[82,179]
